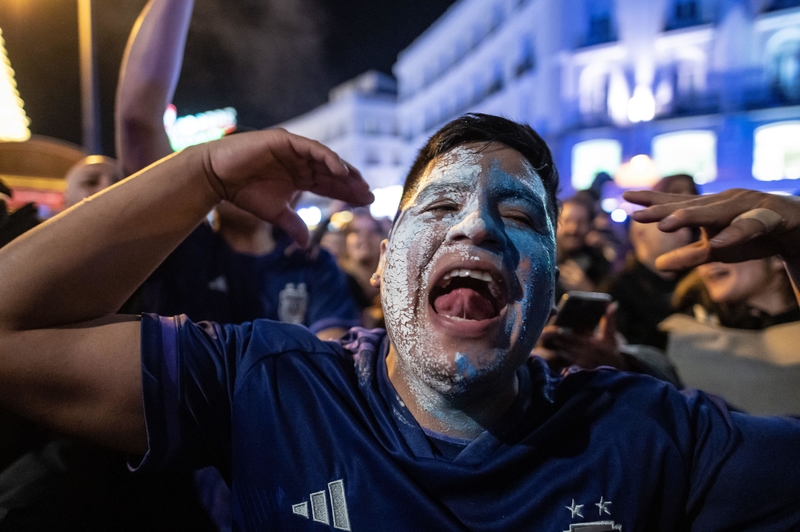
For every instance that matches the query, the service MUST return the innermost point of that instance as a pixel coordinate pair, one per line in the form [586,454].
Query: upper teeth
[483,276]
[494,287]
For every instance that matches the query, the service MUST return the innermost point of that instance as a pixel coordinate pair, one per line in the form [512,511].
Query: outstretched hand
[261,172]
[737,225]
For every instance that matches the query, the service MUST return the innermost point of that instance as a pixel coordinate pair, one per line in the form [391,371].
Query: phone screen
[581,311]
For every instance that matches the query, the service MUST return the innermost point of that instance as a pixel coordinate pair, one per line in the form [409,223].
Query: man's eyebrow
[439,188]
[520,193]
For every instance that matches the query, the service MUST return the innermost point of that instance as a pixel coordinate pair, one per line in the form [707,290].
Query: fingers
[317,168]
[768,218]
[648,198]
[685,257]
[295,227]
[744,228]
[312,150]
[673,216]
[608,324]
[352,189]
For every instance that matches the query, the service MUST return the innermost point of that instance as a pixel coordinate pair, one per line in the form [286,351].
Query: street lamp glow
[13,121]
[310,215]
[619,215]
[640,172]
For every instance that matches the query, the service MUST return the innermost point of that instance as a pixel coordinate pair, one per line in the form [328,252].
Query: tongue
[465,303]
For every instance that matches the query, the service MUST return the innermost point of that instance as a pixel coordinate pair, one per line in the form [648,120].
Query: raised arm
[738,225]
[65,360]
[150,70]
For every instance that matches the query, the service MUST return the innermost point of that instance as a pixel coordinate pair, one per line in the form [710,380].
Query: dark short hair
[477,127]
[669,183]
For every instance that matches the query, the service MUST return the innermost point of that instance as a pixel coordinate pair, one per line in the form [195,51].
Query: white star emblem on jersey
[602,506]
[575,509]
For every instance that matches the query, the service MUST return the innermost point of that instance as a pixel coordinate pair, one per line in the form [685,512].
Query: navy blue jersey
[207,280]
[312,437]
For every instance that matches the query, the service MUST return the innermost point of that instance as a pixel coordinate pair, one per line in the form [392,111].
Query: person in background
[333,241]
[582,267]
[363,235]
[642,291]
[239,269]
[89,176]
[329,235]
[734,335]
[677,184]
[13,224]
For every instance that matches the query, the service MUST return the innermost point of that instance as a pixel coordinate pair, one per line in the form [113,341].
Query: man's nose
[479,226]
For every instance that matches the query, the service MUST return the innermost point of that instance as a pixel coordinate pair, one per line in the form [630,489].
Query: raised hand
[562,347]
[737,224]
[262,171]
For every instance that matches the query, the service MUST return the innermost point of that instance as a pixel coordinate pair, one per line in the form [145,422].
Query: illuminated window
[593,87]
[372,158]
[527,60]
[685,13]
[496,83]
[592,157]
[687,152]
[371,126]
[786,69]
[776,154]
[782,4]
[601,27]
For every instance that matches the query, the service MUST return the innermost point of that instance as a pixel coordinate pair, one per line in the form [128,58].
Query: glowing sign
[13,122]
[687,152]
[776,154]
[592,157]
[196,129]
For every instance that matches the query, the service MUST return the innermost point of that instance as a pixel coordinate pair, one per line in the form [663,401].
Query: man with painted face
[444,423]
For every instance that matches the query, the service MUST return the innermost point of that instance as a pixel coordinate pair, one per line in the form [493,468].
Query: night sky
[269,59]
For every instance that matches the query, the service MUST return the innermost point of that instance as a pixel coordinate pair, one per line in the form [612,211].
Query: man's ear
[375,280]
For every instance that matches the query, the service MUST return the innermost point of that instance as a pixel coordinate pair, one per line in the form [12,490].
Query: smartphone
[581,311]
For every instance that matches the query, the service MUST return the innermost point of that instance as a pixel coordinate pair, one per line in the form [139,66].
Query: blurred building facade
[359,122]
[705,87]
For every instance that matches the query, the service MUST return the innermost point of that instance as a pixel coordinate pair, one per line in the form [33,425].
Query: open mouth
[464,294]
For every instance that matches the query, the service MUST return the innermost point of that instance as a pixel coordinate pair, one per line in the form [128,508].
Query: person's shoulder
[267,338]
[633,392]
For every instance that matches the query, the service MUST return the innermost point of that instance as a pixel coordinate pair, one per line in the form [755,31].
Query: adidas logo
[319,506]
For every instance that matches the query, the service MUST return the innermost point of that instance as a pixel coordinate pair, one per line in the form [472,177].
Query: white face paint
[468,278]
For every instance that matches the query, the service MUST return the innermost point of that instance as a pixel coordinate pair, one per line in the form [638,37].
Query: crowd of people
[720,327]
[388,375]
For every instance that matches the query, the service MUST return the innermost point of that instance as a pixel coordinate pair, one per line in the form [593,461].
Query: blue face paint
[482,212]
